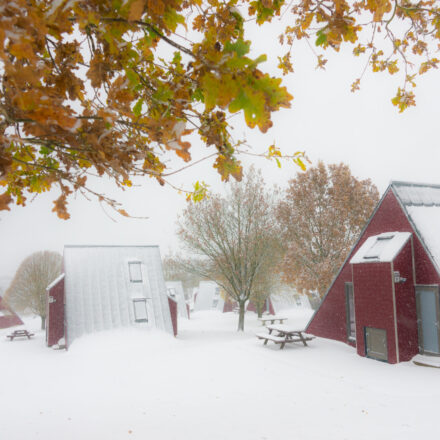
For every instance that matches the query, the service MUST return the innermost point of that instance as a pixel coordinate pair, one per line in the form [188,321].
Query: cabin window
[378,246]
[134,267]
[349,300]
[140,310]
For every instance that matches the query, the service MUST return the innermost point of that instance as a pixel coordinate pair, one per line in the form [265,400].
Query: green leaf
[132,77]
[240,47]
[44,151]
[137,109]
[197,95]
[322,38]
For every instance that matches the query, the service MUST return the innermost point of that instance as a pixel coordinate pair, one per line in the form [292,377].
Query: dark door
[376,343]
[428,319]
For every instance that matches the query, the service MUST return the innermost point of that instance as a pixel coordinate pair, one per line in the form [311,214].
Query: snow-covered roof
[381,248]
[422,205]
[105,286]
[417,194]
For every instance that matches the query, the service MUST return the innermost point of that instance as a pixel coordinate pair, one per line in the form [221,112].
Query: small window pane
[140,310]
[351,324]
[135,272]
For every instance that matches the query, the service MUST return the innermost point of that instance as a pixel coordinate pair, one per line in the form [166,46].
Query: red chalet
[8,318]
[385,298]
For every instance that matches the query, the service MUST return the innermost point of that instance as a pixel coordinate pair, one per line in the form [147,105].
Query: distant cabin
[208,296]
[8,318]
[385,298]
[105,287]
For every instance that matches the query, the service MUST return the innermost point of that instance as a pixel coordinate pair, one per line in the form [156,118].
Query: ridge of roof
[420,184]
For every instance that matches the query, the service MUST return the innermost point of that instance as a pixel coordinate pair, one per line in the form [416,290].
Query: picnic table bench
[20,334]
[284,335]
[272,319]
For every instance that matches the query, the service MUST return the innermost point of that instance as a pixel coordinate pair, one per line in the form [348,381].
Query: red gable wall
[329,320]
[173,311]
[10,319]
[55,313]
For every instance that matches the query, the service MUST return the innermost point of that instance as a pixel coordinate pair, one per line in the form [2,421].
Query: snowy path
[209,384]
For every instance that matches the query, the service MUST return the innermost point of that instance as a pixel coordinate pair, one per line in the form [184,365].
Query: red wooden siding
[11,319]
[373,303]
[173,312]
[406,305]
[55,313]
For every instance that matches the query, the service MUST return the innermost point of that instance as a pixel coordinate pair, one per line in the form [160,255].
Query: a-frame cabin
[385,298]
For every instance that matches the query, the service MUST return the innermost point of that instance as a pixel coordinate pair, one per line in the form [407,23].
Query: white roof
[206,295]
[381,248]
[179,296]
[99,293]
[422,205]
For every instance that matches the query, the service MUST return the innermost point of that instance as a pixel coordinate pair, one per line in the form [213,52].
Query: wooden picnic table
[272,319]
[20,334]
[285,334]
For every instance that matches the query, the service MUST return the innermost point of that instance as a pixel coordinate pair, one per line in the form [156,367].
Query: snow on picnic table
[209,383]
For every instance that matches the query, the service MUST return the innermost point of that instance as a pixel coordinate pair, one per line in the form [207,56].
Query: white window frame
[132,273]
[136,301]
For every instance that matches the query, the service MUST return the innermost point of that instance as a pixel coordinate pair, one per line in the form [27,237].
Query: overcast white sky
[326,120]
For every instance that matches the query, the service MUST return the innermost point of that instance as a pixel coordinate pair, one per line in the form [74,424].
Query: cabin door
[428,319]
[376,343]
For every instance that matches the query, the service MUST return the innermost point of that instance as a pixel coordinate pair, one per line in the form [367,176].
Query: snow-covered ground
[210,383]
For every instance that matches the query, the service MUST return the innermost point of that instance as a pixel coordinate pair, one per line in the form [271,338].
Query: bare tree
[321,214]
[235,235]
[28,287]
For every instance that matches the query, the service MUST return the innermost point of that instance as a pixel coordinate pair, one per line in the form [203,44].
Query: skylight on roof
[378,246]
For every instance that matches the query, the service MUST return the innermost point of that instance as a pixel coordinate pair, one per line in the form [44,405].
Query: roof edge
[110,245]
[419,184]
[55,281]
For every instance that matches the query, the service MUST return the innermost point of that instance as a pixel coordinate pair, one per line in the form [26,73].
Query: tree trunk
[241,311]
[260,308]
[43,322]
